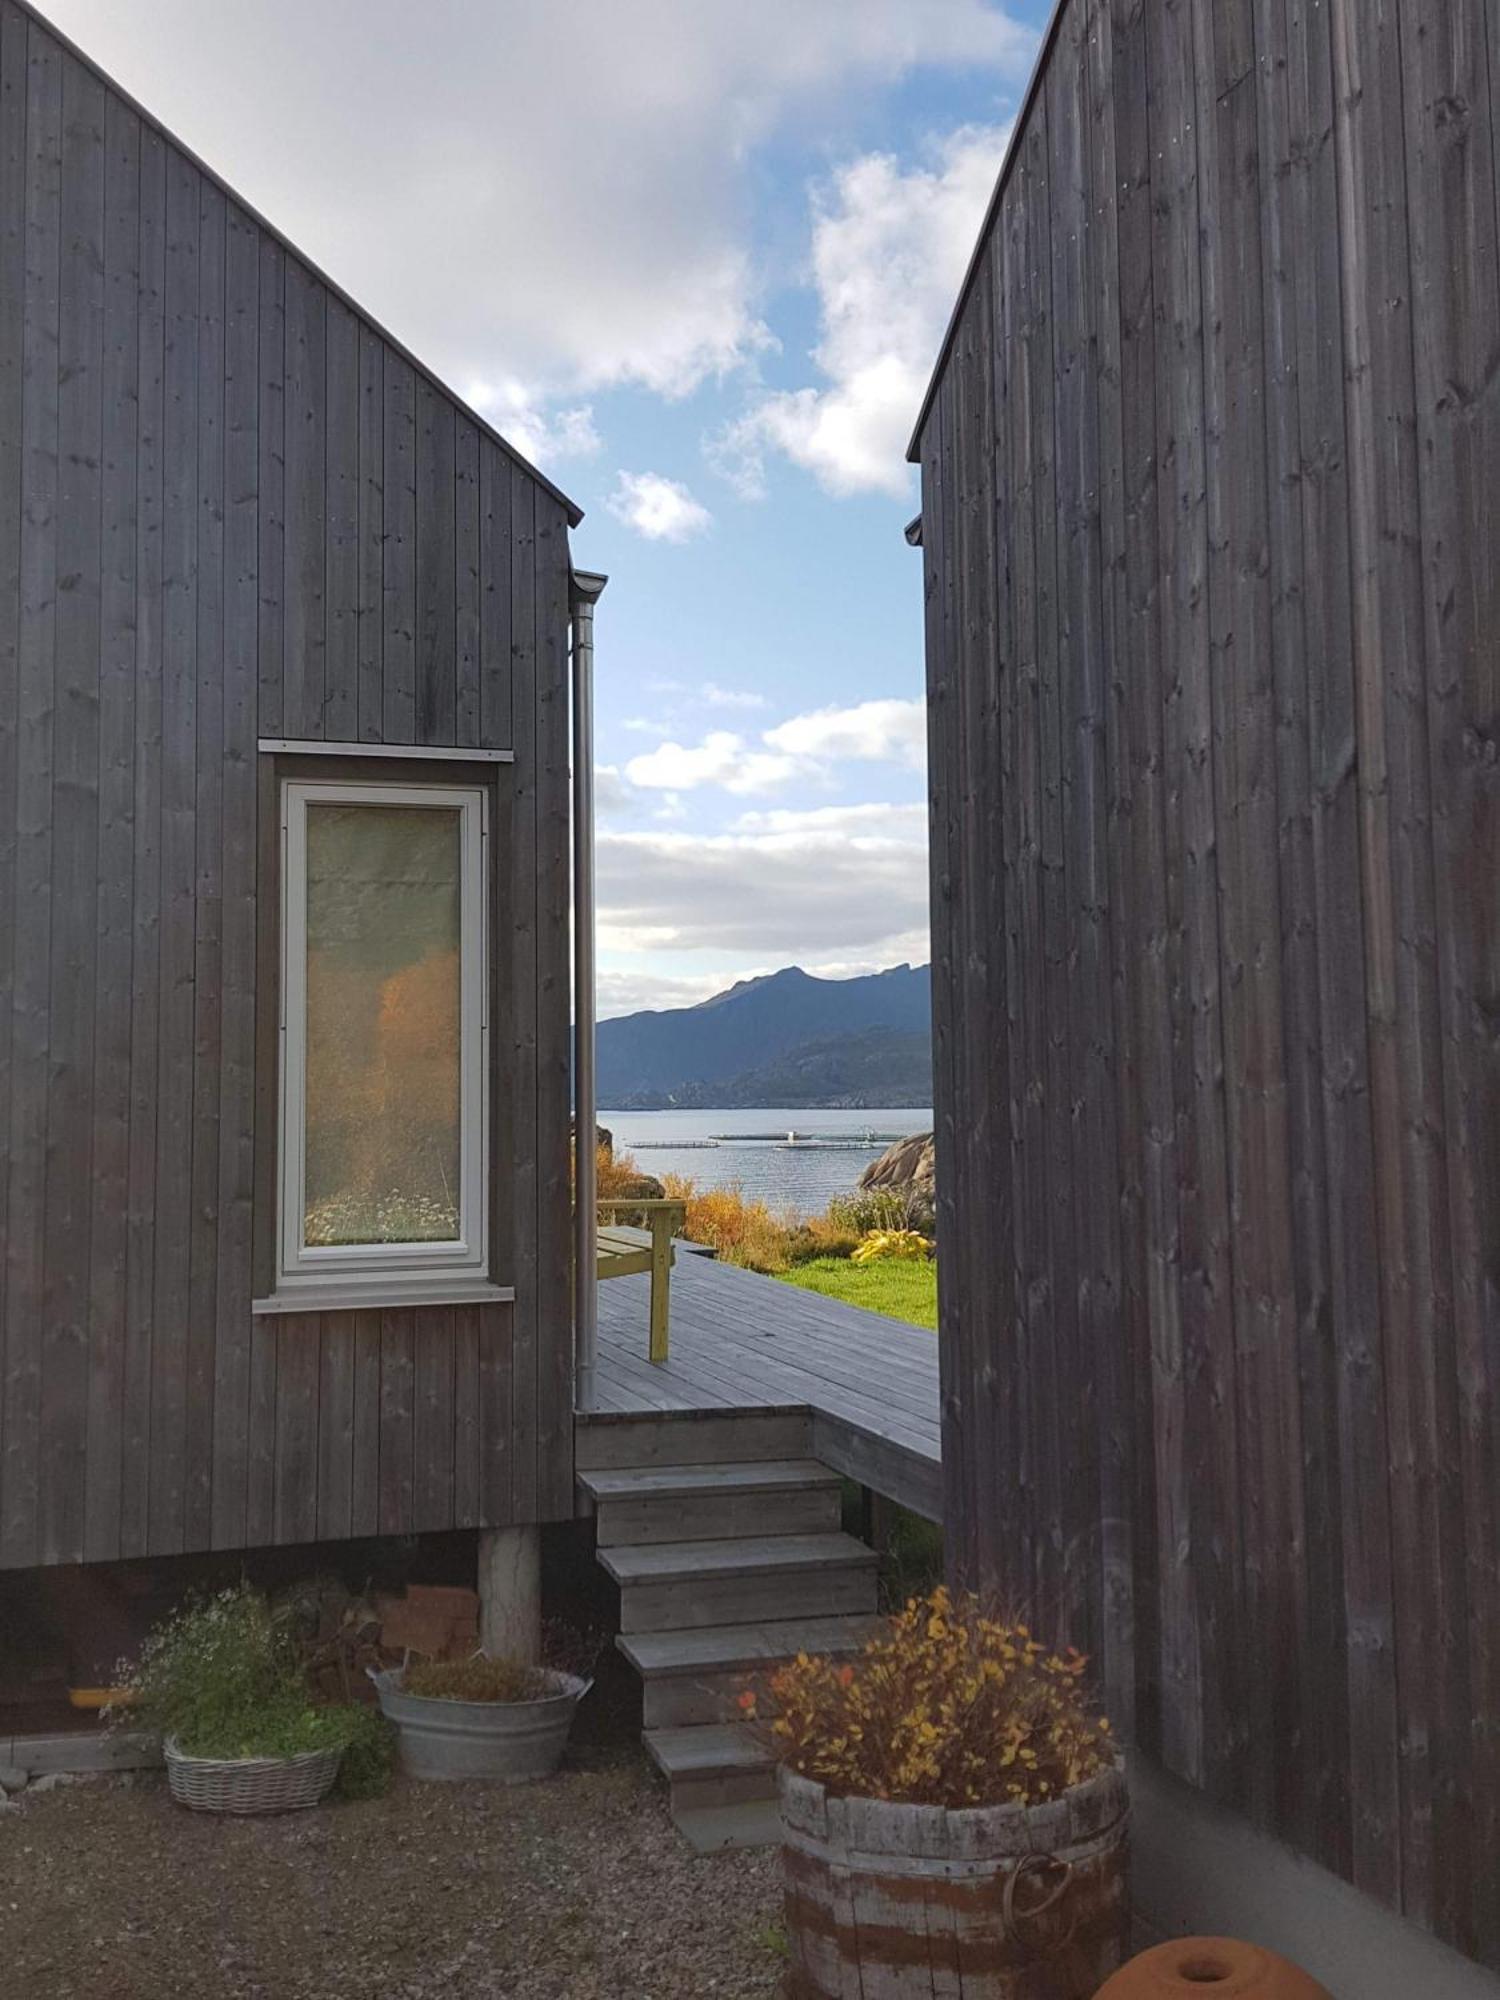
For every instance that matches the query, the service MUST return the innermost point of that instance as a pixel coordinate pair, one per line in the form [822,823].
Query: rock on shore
[908,1167]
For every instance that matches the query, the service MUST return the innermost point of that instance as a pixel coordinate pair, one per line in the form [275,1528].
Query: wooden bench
[625,1248]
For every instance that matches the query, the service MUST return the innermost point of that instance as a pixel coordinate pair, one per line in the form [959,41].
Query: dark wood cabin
[283,884]
[1211,522]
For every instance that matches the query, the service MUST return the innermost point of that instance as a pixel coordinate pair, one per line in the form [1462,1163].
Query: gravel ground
[577,1889]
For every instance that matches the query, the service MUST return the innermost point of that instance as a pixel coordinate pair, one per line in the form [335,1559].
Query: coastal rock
[909,1164]
[637,1187]
[604,1139]
[615,1183]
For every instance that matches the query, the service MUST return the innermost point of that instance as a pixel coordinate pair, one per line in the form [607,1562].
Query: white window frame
[390,1273]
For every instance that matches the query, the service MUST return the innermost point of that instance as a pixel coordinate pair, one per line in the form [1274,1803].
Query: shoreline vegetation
[873,1247]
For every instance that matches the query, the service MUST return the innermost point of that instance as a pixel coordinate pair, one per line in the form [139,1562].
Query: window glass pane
[383,963]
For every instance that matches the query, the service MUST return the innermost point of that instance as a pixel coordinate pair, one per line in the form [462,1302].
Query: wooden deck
[743,1342]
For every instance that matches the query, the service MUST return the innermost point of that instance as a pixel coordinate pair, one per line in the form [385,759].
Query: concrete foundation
[510,1593]
[1198,1870]
[85,1751]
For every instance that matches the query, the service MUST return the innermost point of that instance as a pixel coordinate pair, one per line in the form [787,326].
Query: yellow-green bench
[625,1248]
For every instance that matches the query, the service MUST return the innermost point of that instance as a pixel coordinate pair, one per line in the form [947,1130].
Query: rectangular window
[383,1033]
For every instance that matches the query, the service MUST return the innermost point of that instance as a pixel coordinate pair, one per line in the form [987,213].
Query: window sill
[383,1297]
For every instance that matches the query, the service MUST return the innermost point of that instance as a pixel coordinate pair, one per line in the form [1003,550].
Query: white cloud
[708,693]
[915,948]
[616,798]
[875,731]
[661,509]
[906,821]
[628,991]
[805,891]
[737,452]
[889,247]
[722,759]
[719,697]
[684,697]
[802,749]
[559,194]
[613,797]
[542,436]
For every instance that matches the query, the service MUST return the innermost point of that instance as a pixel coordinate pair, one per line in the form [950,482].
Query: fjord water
[749,1149]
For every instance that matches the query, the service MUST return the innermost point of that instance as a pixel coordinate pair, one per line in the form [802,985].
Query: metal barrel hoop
[1012,1919]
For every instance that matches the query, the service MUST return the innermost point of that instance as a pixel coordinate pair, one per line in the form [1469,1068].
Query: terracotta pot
[1197,1968]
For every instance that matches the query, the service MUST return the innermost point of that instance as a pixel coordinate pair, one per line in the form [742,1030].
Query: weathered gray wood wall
[230,508]
[1211,506]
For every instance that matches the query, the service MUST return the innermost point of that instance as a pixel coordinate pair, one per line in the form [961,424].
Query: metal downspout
[586,587]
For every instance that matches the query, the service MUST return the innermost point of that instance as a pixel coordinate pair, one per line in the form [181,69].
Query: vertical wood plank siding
[230,509]
[1211,513]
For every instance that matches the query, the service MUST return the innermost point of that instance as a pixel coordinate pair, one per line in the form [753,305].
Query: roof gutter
[586,588]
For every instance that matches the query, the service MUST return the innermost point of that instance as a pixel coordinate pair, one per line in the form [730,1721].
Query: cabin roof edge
[992,209]
[65,41]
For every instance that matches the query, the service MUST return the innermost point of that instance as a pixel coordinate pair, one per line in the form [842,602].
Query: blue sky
[695,259]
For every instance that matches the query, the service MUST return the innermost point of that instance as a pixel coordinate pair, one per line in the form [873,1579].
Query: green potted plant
[953,1813]
[498,1719]
[222,1683]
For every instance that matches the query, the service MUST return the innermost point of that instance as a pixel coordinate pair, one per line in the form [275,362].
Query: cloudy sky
[695,259]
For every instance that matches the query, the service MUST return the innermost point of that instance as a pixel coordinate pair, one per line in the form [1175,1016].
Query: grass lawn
[901,1291]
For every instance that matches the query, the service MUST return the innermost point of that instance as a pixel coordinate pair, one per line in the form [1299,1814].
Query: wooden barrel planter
[906,1902]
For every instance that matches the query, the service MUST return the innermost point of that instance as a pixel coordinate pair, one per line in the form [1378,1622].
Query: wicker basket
[250,1784]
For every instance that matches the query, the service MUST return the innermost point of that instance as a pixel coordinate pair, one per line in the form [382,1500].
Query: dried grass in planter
[478,1679]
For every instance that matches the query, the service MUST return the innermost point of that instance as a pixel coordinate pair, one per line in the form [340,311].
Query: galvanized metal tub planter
[987,1903]
[250,1784]
[506,1742]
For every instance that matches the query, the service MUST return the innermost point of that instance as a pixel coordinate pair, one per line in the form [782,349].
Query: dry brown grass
[751,1233]
[743,1232]
[823,1236]
[618,1174]
[478,1679]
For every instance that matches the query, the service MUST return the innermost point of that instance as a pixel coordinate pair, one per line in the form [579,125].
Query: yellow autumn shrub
[749,1232]
[617,1174]
[742,1231]
[892,1246]
[946,1707]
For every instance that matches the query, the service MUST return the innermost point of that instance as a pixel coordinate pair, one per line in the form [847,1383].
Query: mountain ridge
[835,1042]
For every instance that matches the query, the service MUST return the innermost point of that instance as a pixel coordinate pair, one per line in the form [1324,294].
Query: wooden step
[736,1556]
[724,1764]
[698,1676]
[672,1503]
[721,1532]
[712,1829]
[723,1648]
[667,1586]
[691,1437]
